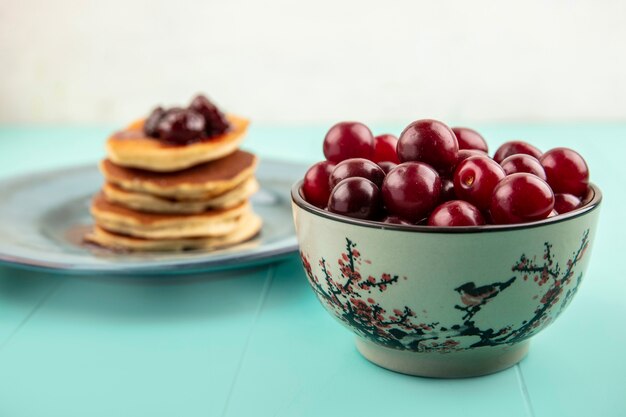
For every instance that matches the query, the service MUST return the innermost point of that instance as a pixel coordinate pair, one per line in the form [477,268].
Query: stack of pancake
[165,197]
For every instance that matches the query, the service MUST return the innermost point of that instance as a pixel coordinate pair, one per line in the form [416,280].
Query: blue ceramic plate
[44,216]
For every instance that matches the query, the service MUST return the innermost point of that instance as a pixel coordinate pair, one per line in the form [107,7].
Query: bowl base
[473,362]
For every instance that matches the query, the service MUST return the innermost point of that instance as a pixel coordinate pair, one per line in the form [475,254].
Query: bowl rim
[590,206]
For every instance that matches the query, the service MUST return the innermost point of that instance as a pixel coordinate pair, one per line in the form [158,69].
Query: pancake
[125,221]
[201,182]
[248,226]
[152,204]
[132,148]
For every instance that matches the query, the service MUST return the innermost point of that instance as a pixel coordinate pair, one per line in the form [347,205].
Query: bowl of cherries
[443,260]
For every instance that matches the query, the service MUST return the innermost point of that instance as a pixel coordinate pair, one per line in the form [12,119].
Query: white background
[285,61]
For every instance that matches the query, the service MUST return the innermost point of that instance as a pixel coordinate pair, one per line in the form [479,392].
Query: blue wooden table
[256,342]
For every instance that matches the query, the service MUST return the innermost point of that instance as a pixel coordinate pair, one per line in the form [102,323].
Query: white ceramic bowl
[443,301]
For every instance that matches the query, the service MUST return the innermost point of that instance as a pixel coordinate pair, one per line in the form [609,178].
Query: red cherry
[387,166]
[385,148]
[475,178]
[456,213]
[431,142]
[347,140]
[396,220]
[520,198]
[566,170]
[411,191]
[523,163]
[470,139]
[316,187]
[564,203]
[466,153]
[357,167]
[447,190]
[356,197]
[514,147]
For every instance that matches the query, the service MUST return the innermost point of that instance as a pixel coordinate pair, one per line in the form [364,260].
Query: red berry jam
[181,126]
[215,121]
[201,120]
[150,127]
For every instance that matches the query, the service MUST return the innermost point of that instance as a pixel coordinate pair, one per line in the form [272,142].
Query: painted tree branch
[402,329]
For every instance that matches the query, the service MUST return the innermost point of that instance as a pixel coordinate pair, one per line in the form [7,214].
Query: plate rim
[277,251]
